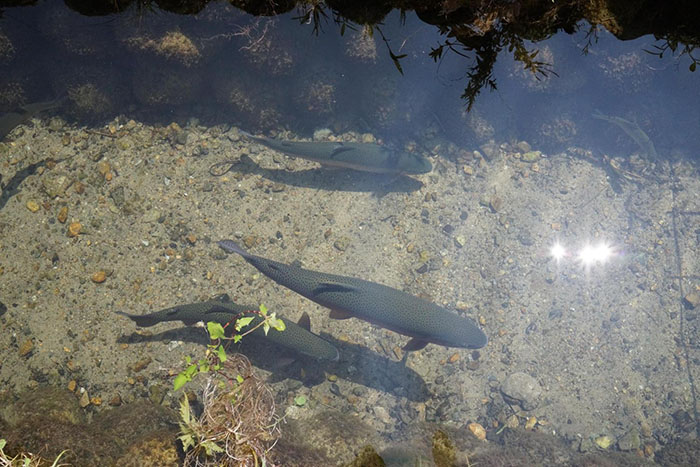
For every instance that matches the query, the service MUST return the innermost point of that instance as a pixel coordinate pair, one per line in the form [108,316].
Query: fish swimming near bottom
[393,309]
[366,157]
[296,336]
[9,120]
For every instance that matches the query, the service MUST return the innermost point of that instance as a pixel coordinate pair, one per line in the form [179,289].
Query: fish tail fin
[141,321]
[230,246]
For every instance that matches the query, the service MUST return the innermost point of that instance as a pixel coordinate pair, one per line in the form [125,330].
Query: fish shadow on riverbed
[357,363]
[331,179]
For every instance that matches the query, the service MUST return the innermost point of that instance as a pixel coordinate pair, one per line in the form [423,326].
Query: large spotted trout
[393,309]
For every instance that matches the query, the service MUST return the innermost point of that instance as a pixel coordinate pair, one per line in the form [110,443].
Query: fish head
[412,163]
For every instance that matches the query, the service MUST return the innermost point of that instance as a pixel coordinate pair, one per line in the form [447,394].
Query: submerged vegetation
[478,30]
[238,424]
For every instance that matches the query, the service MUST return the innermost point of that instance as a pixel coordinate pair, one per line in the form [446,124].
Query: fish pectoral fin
[305,321]
[339,314]
[415,344]
[325,287]
[284,361]
[339,150]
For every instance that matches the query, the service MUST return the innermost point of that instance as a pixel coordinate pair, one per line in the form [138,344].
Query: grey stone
[522,389]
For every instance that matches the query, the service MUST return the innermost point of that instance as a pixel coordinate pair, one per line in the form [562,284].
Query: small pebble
[99,277]
[62,214]
[453,358]
[26,348]
[692,300]
[84,400]
[72,385]
[115,401]
[32,206]
[74,229]
[604,442]
[477,430]
[530,423]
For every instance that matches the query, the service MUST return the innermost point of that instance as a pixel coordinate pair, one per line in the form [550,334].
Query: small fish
[296,336]
[365,157]
[349,297]
[633,131]
[10,120]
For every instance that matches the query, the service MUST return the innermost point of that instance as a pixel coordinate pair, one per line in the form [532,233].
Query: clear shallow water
[606,345]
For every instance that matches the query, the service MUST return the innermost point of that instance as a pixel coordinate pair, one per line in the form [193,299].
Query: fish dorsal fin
[339,149]
[325,287]
[339,314]
[222,298]
[415,344]
[305,321]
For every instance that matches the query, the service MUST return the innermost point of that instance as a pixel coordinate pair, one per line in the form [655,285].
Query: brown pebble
[141,364]
[33,206]
[103,168]
[477,430]
[249,241]
[74,229]
[79,187]
[26,348]
[108,176]
[84,400]
[62,215]
[115,401]
[99,277]
[72,385]
[96,400]
[502,332]
[453,358]
[191,238]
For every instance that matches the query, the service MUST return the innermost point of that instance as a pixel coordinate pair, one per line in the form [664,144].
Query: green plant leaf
[243,322]
[236,338]
[300,401]
[216,330]
[180,381]
[263,310]
[221,354]
[266,327]
[211,447]
[3,442]
[276,323]
[239,378]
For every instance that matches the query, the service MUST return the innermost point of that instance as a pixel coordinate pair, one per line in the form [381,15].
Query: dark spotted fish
[366,157]
[296,336]
[348,297]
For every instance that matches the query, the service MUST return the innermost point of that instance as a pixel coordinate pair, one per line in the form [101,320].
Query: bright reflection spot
[557,251]
[595,254]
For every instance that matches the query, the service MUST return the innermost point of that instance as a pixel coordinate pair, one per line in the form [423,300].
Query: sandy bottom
[611,348]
